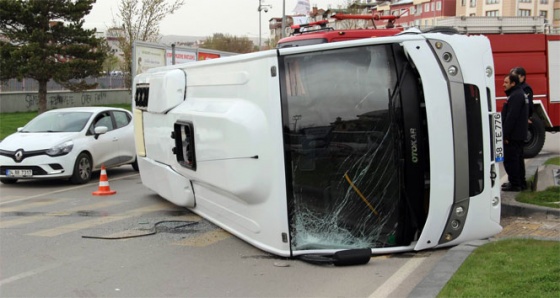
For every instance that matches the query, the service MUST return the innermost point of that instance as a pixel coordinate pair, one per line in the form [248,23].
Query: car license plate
[498,138]
[19,173]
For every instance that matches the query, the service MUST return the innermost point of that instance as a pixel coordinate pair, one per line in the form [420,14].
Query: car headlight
[61,149]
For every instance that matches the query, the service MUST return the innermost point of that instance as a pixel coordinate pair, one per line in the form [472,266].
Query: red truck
[515,41]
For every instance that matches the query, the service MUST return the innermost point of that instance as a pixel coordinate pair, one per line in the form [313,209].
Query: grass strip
[553,161]
[550,197]
[9,122]
[509,268]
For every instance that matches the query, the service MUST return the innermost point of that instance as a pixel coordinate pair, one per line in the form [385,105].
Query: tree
[229,43]
[140,21]
[45,40]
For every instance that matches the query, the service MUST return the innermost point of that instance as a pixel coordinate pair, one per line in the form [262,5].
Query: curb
[511,207]
[526,210]
[438,277]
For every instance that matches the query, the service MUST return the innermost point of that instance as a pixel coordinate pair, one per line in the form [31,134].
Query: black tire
[135,164]
[535,138]
[8,180]
[82,169]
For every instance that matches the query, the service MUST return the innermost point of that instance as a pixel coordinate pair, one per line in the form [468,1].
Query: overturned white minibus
[387,144]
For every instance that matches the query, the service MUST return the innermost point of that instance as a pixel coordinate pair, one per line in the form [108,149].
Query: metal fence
[105,82]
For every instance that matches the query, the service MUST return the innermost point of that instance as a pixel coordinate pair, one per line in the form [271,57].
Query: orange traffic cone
[104,189]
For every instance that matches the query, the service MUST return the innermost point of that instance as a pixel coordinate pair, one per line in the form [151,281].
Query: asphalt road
[43,251]
[51,244]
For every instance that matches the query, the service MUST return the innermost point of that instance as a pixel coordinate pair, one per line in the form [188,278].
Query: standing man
[522,75]
[514,115]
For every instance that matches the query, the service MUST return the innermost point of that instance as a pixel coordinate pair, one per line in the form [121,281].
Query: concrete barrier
[11,102]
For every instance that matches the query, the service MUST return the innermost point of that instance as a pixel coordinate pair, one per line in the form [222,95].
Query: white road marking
[205,239]
[96,221]
[62,190]
[35,218]
[30,205]
[37,271]
[398,278]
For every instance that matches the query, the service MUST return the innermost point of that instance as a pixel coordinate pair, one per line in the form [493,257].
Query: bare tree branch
[140,21]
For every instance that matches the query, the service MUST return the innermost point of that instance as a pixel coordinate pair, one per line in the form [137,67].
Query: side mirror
[99,131]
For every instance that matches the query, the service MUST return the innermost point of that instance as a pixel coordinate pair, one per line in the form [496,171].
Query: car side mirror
[99,130]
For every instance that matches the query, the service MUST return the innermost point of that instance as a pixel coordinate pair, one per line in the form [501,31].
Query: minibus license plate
[498,138]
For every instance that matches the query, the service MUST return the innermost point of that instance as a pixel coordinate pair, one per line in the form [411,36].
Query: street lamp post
[262,7]
[283,18]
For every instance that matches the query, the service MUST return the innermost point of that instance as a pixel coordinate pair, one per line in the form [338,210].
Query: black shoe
[511,188]
[506,184]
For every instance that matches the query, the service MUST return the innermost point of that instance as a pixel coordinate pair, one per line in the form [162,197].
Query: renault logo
[19,155]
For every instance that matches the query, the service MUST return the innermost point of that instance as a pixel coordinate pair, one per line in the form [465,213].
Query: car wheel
[8,180]
[135,164]
[82,169]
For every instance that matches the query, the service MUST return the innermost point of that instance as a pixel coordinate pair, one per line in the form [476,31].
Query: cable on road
[153,232]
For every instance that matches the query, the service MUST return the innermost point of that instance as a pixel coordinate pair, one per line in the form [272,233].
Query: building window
[525,1]
[412,10]
[543,13]
[473,3]
[556,14]
[438,5]
[492,13]
[463,2]
[524,13]
[544,1]
[492,1]
[418,9]
[427,7]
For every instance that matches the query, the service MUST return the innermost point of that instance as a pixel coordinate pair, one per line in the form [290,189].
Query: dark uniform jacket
[529,95]
[515,115]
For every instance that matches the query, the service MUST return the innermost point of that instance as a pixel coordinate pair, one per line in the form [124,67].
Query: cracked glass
[342,134]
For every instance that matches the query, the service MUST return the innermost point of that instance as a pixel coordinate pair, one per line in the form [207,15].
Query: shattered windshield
[58,122]
[342,133]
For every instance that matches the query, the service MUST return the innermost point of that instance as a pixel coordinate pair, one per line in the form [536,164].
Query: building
[426,13]
[113,36]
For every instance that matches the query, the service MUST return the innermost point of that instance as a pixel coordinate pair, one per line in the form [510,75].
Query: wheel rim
[84,168]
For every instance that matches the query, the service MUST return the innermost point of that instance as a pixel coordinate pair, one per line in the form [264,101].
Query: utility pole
[262,7]
[283,18]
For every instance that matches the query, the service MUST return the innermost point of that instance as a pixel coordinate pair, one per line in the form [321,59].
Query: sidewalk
[528,221]
[519,220]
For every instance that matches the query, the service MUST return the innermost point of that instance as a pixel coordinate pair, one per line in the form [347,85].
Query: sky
[206,17]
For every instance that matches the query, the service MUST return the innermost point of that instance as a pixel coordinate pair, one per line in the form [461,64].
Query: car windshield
[58,122]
